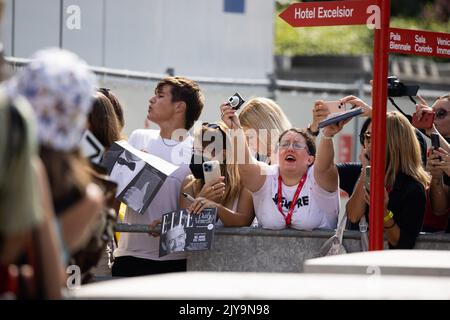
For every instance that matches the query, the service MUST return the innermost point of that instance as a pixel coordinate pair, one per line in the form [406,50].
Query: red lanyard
[288,217]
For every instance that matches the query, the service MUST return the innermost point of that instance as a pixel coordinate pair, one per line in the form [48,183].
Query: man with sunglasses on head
[175,106]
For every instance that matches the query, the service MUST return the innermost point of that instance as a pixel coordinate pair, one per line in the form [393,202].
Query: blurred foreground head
[59,86]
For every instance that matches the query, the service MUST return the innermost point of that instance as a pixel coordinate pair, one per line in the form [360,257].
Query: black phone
[435,141]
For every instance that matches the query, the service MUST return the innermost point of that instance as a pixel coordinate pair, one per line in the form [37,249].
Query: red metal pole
[379,99]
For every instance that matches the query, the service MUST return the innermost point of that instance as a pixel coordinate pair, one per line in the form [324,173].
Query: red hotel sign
[313,14]
[421,43]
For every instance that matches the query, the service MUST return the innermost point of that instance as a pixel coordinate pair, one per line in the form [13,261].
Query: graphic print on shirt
[301,201]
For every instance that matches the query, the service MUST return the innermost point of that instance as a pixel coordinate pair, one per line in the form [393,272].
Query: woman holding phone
[437,217]
[299,192]
[405,184]
[226,193]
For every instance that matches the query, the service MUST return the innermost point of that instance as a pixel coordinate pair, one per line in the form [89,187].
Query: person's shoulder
[270,170]
[407,183]
[349,167]
[141,137]
[144,133]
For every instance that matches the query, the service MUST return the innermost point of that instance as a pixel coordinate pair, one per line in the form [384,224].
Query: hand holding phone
[335,106]
[426,121]
[435,142]
[211,171]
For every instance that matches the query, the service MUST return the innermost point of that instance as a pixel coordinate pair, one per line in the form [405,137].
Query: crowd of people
[54,204]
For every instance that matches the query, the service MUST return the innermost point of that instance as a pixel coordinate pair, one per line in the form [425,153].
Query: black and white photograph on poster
[139,193]
[182,231]
[138,175]
[125,169]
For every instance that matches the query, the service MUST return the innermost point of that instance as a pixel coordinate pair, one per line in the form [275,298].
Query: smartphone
[211,170]
[335,106]
[426,121]
[367,178]
[435,141]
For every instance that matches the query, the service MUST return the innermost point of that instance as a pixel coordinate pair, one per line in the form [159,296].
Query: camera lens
[233,101]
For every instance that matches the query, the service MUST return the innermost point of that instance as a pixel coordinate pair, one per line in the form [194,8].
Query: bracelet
[313,133]
[389,216]
[327,137]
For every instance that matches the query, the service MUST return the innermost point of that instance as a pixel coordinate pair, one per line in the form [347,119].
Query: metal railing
[269,82]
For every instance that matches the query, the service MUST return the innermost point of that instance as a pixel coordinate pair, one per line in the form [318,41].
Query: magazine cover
[138,175]
[182,231]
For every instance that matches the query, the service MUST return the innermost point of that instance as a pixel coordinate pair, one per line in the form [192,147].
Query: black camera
[236,101]
[398,89]
[207,167]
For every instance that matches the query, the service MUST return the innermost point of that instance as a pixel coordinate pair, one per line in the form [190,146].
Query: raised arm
[250,170]
[439,192]
[356,205]
[325,171]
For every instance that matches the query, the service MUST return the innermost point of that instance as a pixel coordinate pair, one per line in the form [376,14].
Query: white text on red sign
[419,42]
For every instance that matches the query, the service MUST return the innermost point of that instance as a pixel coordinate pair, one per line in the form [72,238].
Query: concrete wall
[258,250]
[193,37]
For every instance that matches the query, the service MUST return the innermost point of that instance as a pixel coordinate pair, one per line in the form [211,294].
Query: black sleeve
[348,175]
[408,214]
[423,147]
[446,180]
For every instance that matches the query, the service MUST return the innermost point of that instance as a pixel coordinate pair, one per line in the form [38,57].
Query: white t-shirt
[142,245]
[316,208]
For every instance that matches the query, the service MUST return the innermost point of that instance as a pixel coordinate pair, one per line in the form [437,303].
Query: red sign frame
[333,13]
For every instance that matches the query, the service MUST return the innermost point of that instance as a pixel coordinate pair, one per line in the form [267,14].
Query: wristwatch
[313,133]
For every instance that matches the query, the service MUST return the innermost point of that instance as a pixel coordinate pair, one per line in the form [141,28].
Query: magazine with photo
[340,116]
[138,175]
[182,231]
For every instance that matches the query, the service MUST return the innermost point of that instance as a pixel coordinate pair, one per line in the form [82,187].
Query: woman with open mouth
[299,192]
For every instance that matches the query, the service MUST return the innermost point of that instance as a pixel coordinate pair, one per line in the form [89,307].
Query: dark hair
[364,129]
[103,121]
[116,105]
[183,89]
[67,174]
[311,145]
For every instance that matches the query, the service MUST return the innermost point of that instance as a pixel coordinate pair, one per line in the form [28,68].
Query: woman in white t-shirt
[301,191]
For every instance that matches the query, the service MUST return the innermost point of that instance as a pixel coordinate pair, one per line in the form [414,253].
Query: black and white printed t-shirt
[316,208]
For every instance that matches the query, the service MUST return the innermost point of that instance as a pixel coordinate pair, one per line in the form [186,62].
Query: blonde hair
[403,151]
[445,97]
[229,170]
[263,113]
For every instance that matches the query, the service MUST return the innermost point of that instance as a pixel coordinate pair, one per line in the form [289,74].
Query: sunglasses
[105,91]
[365,137]
[215,126]
[441,113]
